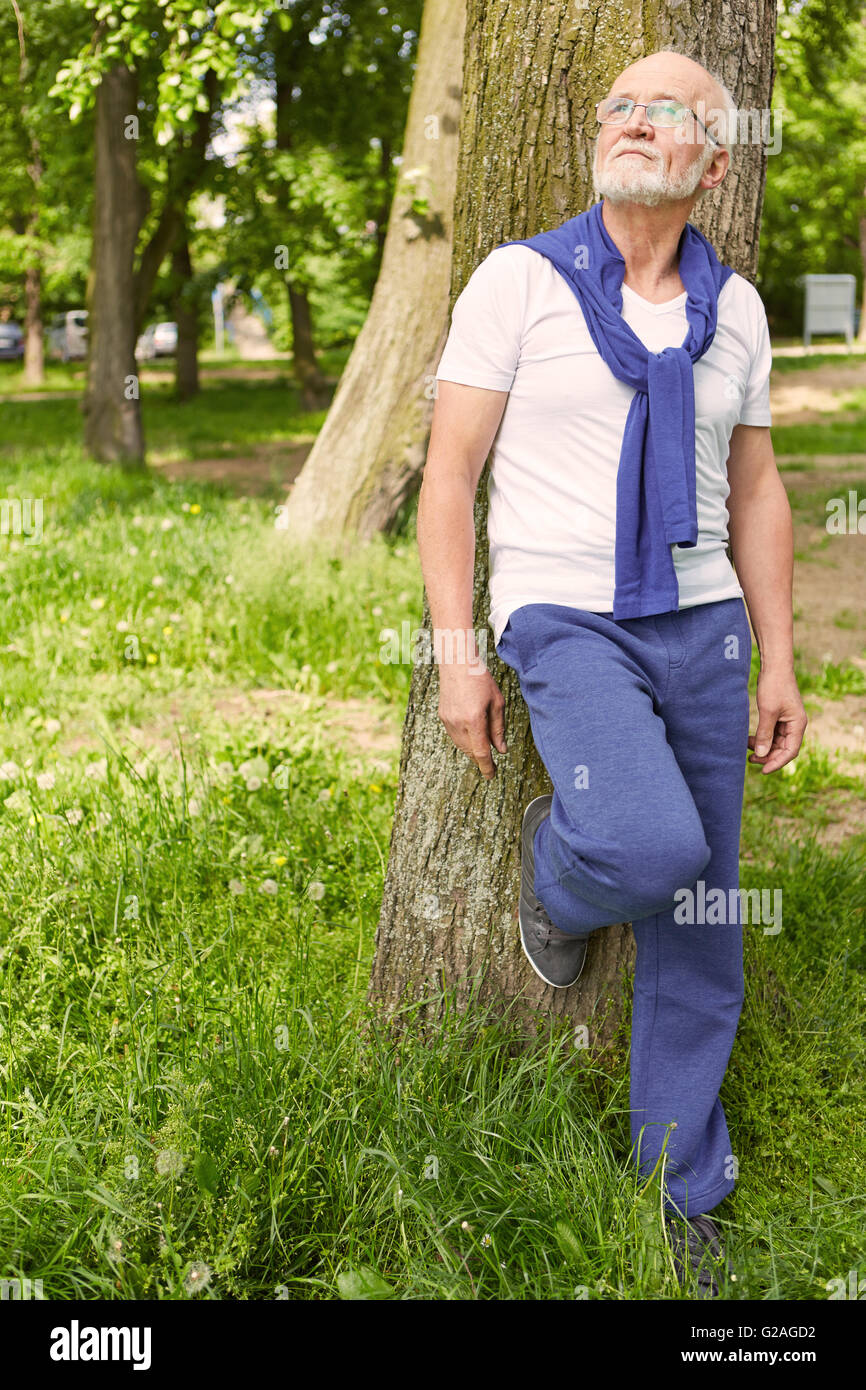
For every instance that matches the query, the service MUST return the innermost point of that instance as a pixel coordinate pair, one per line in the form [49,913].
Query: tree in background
[530,83]
[45,195]
[367,460]
[321,232]
[815,215]
[303,195]
[185,316]
[155,79]
[155,72]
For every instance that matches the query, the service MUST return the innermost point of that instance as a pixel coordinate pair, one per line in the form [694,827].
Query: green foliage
[308,193]
[301,110]
[363,1283]
[45,189]
[815,193]
[193,40]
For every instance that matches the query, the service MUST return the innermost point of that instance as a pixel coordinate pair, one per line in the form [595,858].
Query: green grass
[58,376]
[194,1099]
[847,618]
[836,437]
[813,503]
[70,376]
[224,420]
[833,681]
[814,359]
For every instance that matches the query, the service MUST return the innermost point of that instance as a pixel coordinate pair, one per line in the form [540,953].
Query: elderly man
[621,374]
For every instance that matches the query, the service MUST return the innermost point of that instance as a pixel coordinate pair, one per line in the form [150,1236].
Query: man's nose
[637,123]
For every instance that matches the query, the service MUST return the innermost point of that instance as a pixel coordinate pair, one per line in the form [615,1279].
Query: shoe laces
[544,921]
[702,1232]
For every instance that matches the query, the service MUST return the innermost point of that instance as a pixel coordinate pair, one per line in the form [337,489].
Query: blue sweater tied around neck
[655,487]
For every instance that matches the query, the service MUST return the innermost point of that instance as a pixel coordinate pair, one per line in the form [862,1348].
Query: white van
[67,336]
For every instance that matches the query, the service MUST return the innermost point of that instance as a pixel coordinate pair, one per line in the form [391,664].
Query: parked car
[11,342]
[67,336]
[159,340]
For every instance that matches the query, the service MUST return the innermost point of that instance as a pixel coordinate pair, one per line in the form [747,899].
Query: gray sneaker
[696,1244]
[556,956]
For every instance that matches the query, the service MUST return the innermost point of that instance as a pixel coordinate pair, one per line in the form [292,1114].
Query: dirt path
[829,578]
[262,470]
[367,733]
[805,397]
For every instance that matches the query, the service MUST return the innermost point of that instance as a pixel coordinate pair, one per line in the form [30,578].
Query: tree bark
[313,388]
[861,331]
[113,430]
[382,221]
[185,309]
[34,350]
[369,455]
[532,75]
[34,345]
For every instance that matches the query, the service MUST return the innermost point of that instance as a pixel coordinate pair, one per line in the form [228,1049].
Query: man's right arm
[464,425]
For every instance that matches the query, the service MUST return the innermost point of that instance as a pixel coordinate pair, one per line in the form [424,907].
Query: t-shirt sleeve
[755,408]
[483,344]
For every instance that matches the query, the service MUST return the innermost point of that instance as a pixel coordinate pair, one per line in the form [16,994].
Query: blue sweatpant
[642,725]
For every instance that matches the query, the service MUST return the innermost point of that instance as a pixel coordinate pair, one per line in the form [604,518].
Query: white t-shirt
[517,326]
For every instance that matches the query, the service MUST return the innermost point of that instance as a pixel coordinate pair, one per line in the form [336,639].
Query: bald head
[675,74]
[636,161]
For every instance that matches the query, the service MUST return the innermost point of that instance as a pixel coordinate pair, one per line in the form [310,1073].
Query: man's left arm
[761,535]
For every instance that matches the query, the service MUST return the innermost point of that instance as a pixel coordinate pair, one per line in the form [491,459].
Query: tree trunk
[34,352]
[369,455]
[34,348]
[861,331]
[387,155]
[113,430]
[314,390]
[185,311]
[449,910]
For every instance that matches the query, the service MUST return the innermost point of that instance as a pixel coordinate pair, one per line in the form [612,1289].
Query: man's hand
[781,721]
[471,707]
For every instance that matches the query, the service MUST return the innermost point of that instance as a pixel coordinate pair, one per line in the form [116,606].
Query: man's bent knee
[643,879]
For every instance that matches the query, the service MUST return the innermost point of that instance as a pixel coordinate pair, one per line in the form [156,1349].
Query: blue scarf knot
[655,487]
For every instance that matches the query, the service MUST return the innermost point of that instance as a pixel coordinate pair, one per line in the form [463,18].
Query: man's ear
[716,169]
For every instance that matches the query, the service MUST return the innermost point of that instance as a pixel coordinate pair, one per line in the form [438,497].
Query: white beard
[637,180]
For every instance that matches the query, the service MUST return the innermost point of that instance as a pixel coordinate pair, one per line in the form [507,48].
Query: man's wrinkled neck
[649,240]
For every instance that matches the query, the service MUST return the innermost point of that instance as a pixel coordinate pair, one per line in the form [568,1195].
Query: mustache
[623,148]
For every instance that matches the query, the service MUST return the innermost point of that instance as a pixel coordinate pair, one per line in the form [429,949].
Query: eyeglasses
[663,112]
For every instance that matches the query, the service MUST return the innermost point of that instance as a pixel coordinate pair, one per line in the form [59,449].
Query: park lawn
[71,376]
[226,416]
[200,766]
[814,359]
[834,437]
